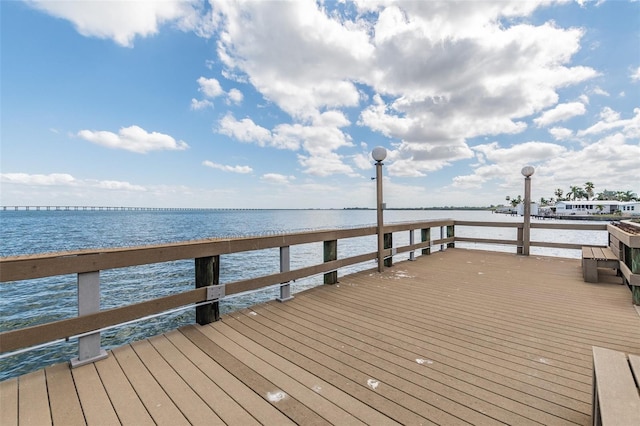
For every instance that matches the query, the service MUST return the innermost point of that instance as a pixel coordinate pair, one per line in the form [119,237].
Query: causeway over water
[457,337]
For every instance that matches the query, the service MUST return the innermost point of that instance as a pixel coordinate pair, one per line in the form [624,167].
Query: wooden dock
[457,337]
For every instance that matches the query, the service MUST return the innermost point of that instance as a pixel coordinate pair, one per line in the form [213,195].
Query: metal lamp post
[379,154]
[527,172]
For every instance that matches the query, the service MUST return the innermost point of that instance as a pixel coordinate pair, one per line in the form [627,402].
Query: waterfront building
[583,208]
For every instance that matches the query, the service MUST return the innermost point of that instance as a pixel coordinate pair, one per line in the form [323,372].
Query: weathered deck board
[457,337]
[63,398]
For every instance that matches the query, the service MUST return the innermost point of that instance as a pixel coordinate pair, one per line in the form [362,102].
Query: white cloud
[635,74]
[198,105]
[561,133]
[244,130]
[210,87]
[235,96]
[600,91]
[611,121]
[66,180]
[440,72]
[52,179]
[522,153]
[134,139]
[325,164]
[363,161]
[118,186]
[304,66]
[226,168]
[319,141]
[277,178]
[561,112]
[121,21]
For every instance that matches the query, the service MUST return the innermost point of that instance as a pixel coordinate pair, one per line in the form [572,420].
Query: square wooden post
[451,233]
[331,253]
[207,273]
[285,266]
[388,244]
[89,349]
[425,235]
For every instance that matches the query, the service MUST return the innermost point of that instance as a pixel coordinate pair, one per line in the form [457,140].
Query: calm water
[33,302]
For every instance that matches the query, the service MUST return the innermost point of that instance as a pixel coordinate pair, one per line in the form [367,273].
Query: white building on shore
[584,208]
[534,209]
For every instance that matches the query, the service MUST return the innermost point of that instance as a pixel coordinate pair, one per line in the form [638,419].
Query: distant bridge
[110,208]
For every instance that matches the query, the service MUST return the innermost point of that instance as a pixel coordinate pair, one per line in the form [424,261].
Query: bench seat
[616,397]
[594,258]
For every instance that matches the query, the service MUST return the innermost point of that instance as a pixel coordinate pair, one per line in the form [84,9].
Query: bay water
[31,302]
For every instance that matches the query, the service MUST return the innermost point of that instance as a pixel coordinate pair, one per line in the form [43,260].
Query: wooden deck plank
[495,365]
[457,337]
[290,406]
[616,389]
[361,411]
[286,383]
[123,397]
[634,362]
[229,411]
[427,403]
[489,345]
[441,371]
[9,402]
[343,376]
[33,401]
[407,360]
[349,410]
[63,398]
[95,402]
[158,404]
[260,409]
[186,400]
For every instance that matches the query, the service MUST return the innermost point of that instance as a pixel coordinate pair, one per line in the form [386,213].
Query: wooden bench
[616,397]
[594,258]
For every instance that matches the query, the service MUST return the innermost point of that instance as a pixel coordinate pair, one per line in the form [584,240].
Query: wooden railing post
[451,233]
[285,266]
[520,240]
[331,253]
[412,253]
[388,244]
[442,234]
[425,235]
[207,273]
[89,349]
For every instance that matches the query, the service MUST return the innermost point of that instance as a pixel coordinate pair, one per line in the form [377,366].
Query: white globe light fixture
[379,153]
[527,171]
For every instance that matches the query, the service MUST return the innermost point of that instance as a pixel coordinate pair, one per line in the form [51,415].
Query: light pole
[527,172]
[379,154]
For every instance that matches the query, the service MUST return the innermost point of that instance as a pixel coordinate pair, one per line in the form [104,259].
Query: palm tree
[627,196]
[588,188]
[558,194]
[576,192]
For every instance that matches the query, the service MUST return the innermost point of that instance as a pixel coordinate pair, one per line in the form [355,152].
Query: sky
[278,104]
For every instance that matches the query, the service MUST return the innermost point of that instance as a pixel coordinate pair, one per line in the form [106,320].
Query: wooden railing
[519,241]
[87,264]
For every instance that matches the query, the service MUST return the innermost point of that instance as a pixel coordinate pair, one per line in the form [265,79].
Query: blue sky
[276,104]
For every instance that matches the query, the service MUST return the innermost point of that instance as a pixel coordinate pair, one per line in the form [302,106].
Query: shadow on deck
[453,338]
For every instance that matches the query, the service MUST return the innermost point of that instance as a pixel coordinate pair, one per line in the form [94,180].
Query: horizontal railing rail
[84,263]
[519,241]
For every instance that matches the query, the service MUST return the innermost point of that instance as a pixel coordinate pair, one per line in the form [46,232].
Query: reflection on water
[38,301]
